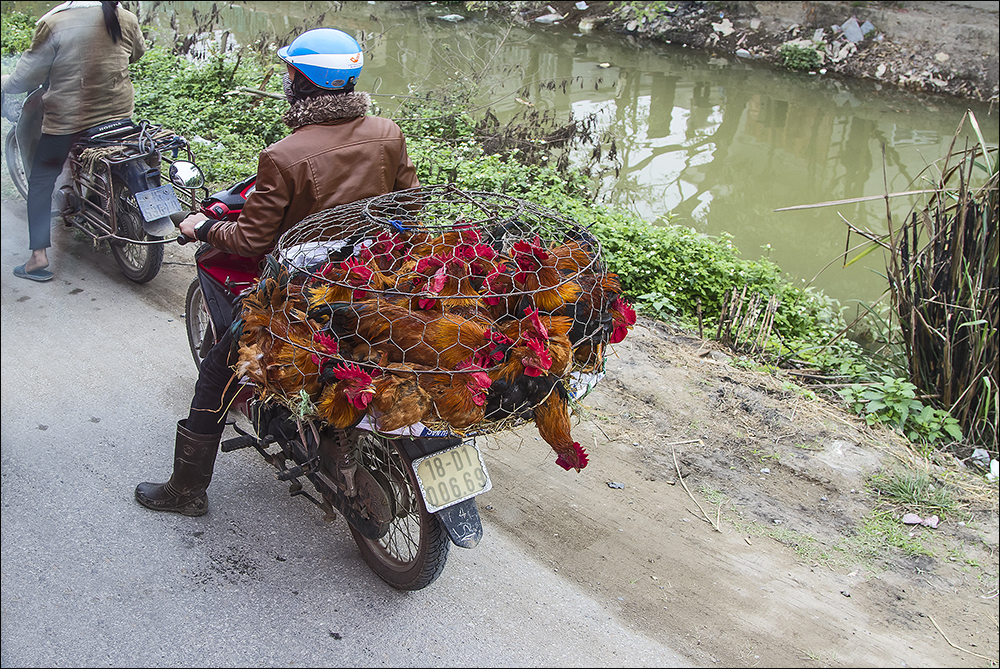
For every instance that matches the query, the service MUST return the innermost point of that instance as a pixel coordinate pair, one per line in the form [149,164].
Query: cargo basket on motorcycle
[93,158]
[434,310]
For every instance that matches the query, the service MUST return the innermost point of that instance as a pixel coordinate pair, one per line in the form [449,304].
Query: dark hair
[303,89]
[111,20]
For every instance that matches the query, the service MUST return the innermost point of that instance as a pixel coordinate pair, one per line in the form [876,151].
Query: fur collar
[327,108]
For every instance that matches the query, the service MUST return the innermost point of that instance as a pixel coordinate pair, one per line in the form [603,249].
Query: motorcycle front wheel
[413,552]
[139,262]
[200,329]
[14,164]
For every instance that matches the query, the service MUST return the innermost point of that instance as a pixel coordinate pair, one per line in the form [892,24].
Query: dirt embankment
[946,48]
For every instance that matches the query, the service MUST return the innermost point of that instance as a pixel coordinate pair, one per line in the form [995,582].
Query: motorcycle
[405,498]
[114,190]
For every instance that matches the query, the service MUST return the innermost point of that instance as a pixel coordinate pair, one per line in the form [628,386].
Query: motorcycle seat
[110,130]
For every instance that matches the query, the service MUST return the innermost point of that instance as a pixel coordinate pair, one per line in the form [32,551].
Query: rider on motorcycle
[82,50]
[336,154]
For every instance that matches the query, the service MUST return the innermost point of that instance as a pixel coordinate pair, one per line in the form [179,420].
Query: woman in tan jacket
[336,154]
[82,50]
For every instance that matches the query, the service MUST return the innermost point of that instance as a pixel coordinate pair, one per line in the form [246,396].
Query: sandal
[34,275]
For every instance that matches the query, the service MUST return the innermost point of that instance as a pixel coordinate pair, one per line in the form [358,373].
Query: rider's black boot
[194,460]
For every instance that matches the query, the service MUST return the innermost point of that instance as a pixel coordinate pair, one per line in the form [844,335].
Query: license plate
[452,476]
[158,202]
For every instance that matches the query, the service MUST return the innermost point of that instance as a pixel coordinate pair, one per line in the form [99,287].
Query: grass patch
[913,490]
[880,535]
[807,548]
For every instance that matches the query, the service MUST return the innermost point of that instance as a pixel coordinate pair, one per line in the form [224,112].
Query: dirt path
[802,571]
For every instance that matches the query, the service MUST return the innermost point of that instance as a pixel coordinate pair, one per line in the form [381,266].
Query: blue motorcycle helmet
[329,58]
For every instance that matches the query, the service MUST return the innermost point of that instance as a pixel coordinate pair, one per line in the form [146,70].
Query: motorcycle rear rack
[98,219]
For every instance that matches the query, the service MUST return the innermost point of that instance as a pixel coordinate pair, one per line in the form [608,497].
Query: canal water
[715,144]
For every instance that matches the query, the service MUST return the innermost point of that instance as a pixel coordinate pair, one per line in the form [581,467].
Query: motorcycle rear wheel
[139,262]
[200,328]
[14,165]
[413,552]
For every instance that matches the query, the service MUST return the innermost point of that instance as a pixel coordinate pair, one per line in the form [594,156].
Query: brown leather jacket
[335,155]
[87,72]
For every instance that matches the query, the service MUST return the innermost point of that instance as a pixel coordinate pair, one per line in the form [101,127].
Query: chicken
[451,281]
[460,397]
[522,381]
[623,317]
[276,338]
[350,280]
[291,365]
[344,401]
[399,398]
[515,394]
[386,252]
[537,275]
[417,337]
[593,320]
[574,257]
[549,331]
[553,423]
[423,245]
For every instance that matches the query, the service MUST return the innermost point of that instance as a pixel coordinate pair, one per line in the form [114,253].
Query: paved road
[95,373]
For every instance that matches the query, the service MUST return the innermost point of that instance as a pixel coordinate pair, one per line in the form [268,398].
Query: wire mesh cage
[458,312]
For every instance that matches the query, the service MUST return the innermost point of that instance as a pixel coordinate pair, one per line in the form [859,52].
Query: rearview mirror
[186,174]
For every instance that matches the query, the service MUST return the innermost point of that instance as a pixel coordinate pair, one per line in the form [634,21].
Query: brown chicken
[538,276]
[399,398]
[460,397]
[549,331]
[423,245]
[416,337]
[575,257]
[345,401]
[347,281]
[277,339]
[553,423]
[386,252]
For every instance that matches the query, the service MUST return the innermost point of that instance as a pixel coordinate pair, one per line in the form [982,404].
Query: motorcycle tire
[14,165]
[413,552]
[139,262]
[200,328]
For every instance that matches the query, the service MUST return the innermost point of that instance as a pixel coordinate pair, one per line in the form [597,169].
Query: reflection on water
[717,143]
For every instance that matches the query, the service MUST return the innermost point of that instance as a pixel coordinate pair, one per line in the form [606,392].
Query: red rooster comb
[528,255]
[539,328]
[359,390]
[429,263]
[623,317]
[327,345]
[576,460]
[539,361]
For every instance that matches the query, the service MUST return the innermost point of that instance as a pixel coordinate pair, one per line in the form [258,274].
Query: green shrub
[195,99]
[800,58]
[894,402]
[17,32]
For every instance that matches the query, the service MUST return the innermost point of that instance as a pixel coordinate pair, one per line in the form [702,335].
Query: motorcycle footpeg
[292,473]
[236,443]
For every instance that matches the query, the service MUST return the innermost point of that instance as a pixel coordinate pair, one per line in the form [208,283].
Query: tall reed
[944,283]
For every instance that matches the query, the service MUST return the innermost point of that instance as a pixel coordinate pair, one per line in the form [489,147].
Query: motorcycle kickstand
[295,490]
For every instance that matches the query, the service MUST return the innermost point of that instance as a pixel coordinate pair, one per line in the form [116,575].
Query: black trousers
[216,387]
[50,154]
